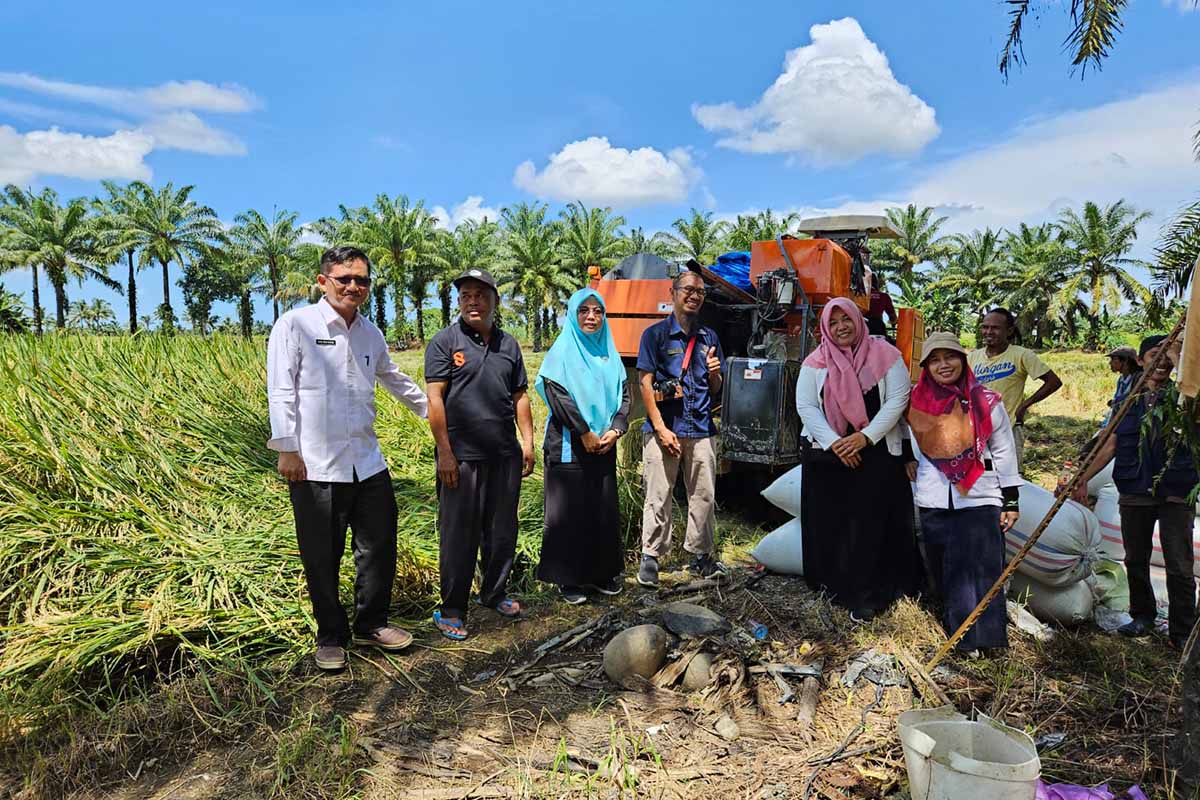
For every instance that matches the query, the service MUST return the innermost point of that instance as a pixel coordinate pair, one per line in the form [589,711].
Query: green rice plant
[143,527]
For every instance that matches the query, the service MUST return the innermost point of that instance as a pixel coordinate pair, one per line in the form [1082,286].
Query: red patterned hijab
[952,424]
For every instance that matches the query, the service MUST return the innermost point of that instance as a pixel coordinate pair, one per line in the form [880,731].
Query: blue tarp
[735,268]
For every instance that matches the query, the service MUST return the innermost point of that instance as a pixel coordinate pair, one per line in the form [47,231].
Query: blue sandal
[508,608]
[453,630]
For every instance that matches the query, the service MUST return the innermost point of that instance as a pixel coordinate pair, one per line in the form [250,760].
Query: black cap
[476,274]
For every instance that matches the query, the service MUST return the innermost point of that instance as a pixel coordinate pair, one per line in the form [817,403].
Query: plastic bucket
[949,757]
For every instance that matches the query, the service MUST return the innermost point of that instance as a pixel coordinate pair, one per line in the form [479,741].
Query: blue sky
[651,108]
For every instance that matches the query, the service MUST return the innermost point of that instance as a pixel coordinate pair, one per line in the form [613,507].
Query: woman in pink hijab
[856,507]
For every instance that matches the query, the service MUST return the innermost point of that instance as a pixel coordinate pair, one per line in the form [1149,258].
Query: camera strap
[687,356]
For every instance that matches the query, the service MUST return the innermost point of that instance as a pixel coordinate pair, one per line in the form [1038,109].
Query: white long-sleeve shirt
[321,378]
[894,388]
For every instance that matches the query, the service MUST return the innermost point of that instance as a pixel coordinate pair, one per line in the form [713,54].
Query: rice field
[144,531]
[143,527]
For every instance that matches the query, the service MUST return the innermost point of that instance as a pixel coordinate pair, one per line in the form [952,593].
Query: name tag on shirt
[326,342]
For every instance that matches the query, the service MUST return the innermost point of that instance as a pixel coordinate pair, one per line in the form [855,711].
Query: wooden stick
[1064,493]
[917,674]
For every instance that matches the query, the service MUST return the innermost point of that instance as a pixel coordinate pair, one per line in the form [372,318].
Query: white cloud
[159,117]
[594,171]
[470,209]
[836,101]
[1184,6]
[195,95]
[1137,149]
[72,155]
[183,130]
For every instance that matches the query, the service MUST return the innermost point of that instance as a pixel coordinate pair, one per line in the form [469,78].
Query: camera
[667,389]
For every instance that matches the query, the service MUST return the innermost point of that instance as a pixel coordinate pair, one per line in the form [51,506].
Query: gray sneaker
[648,572]
[389,638]
[330,657]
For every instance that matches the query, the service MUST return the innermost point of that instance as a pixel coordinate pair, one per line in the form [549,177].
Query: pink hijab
[851,371]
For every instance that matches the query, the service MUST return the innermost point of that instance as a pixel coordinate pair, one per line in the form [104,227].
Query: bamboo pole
[1064,493]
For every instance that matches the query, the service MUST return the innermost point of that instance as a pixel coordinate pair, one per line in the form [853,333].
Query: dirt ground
[486,719]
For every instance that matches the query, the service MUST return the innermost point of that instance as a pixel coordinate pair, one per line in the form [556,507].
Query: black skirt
[581,542]
[857,528]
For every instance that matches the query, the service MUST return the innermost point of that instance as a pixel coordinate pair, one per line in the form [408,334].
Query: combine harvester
[767,325]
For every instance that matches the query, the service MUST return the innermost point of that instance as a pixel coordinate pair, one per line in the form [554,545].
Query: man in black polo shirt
[1154,472]
[475,379]
[685,357]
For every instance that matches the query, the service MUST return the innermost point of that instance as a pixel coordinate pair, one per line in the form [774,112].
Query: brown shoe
[388,638]
[331,657]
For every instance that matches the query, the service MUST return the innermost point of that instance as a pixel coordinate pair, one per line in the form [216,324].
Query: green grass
[1063,423]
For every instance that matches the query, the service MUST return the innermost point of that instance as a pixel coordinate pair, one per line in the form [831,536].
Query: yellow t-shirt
[1005,374]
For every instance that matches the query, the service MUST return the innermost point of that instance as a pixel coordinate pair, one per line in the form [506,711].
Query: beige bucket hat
[940,341]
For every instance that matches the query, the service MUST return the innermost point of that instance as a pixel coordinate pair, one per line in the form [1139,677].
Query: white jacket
[934,490]
[894,388]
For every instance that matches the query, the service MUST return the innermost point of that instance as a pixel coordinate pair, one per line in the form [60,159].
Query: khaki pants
[1019,445]
[699,460]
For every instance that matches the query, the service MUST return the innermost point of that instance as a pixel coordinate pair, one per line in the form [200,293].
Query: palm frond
[1097,24]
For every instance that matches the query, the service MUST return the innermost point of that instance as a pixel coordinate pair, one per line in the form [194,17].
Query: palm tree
[760,227]
[589,238]
[426,265]
[977,273]
[471,244]
[299,281]
[919,242]
[1040,263]
[1176,252]
[114,214]
[636,241]
[395,234]
[530,253]
[696,237]
[96,315]
[272,243]
[60,239]
[12,313]
[1099,240]
[165,226]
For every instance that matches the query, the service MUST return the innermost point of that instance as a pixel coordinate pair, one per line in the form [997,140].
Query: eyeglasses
[590,311]
[346,280]
[691,291]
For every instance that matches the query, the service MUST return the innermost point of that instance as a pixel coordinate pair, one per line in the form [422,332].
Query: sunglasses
[346,280]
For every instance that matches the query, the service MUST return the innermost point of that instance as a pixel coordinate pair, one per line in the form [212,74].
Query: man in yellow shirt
[1004,367]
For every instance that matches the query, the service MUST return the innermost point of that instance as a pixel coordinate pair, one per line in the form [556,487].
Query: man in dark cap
[1154,470]
[475,378]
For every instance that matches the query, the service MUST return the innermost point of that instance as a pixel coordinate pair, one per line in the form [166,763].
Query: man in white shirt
[322,365]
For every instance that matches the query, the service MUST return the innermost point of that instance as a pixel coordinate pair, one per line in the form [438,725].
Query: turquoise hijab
[587,365]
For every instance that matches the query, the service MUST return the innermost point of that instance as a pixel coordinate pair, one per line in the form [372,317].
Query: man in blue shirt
[1154,472]
[679,371]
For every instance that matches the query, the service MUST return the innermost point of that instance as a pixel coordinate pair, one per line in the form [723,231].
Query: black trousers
[478,516]
[965,551]
[323,510]
[1175,533]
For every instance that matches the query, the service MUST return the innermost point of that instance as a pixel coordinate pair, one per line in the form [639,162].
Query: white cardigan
[933,490]
[894,388]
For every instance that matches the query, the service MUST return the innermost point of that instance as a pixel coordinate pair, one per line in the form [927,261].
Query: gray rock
[727,728]
[639,651]
[698,672]
[689,619]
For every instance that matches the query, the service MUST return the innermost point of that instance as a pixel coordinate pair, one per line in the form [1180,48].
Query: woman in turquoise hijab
[583,382]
